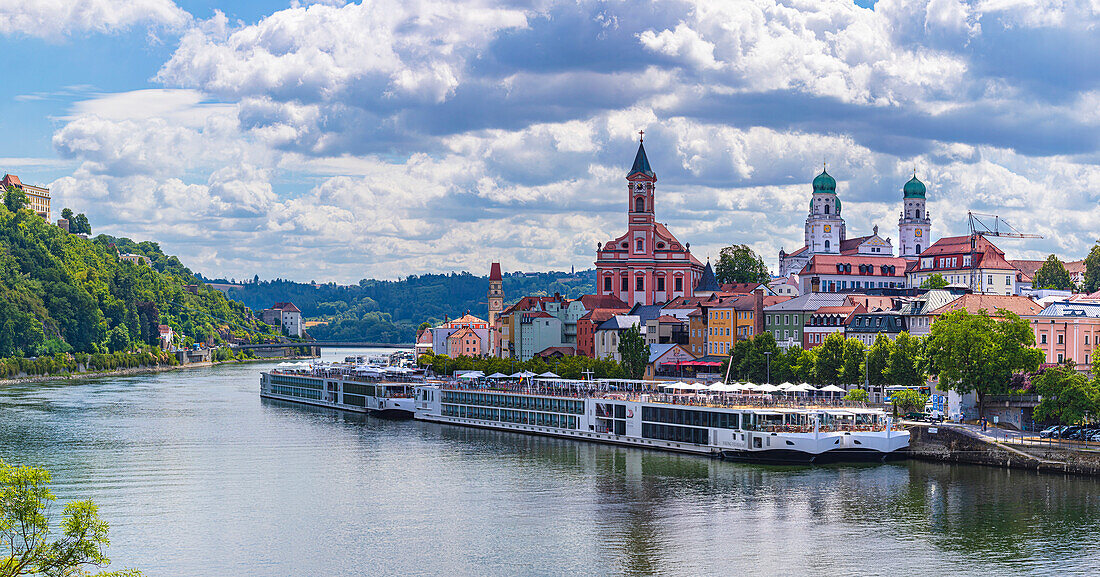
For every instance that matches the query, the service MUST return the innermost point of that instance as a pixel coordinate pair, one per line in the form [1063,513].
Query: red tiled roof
[774,300]
[286,307]
[538,315]
[987,255]
[425,337]
[11,180]
[973,303]
[872,303]
[685,302]
[548,351]
[592,302]
[739,287]
[826,264]
[668,319]
[600,315]
[462,333]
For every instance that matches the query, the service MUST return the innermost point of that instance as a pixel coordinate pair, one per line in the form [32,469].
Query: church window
[625,284]
[826,209]
[639,246]
[639,283]
[639,204]
[607,284]
[679,284]
[918,249]
[826,245]
[661,283]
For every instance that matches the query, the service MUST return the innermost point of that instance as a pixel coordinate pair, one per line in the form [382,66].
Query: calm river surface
[198,476]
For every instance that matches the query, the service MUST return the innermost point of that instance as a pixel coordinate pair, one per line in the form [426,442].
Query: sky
[334,141]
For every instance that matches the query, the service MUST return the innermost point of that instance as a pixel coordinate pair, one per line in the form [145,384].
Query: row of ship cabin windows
[639,284]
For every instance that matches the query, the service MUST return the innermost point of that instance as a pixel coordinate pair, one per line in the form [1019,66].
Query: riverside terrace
[772,413]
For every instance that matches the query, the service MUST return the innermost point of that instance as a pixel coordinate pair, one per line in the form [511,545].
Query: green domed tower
[914,226]
[825,228]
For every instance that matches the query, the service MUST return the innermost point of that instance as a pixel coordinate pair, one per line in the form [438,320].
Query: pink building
[647,265]
[1067,330]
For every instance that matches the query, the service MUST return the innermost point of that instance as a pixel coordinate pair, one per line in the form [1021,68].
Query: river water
[198,476]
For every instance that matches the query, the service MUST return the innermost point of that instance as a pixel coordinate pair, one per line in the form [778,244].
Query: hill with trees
[391,311]
[61,293]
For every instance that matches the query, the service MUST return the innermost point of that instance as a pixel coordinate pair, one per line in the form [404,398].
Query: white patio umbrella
[522,375]
[672,385]
[498,376]
[549,375]
[767,388]
[832,389]
[785,387]
[470,376]
[718,387]
[804,388]
[749,387]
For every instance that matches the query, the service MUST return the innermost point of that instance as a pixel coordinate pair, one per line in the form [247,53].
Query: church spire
[641,163]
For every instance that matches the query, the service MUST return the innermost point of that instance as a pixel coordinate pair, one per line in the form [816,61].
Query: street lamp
[768,360]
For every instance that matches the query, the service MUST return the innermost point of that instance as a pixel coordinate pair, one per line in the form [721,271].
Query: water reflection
[201,477]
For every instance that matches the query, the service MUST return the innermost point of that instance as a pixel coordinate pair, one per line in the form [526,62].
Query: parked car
[1068,432]
[1051,432]
[1093,436]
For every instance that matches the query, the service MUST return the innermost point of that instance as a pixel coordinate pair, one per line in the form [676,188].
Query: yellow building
[720,327]
[38,198]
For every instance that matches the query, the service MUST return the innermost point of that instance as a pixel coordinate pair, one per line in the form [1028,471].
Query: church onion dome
[914,188]
[825,183]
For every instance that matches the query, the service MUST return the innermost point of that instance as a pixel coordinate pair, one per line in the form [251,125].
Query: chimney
[758,311]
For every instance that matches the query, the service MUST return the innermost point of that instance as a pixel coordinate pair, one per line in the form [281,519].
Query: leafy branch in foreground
[25,544]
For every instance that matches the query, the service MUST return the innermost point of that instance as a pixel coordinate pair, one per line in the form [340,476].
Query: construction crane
[979,227]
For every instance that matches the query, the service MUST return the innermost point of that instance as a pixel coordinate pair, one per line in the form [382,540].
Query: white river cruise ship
[382,391]
[756,428]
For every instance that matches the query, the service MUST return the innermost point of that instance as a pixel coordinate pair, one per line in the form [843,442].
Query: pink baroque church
[647,265]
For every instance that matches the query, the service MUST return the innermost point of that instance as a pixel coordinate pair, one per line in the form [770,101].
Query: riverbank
[131,371]
[959,445]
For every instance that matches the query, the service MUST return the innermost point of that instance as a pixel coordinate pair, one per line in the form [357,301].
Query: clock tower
[914,226]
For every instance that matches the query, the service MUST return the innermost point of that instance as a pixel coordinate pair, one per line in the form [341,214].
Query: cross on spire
[641,136]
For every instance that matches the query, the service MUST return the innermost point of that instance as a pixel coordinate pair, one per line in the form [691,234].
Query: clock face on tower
[919,233]
[639,186]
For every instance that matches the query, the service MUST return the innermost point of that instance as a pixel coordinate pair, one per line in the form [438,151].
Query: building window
[1061,339]
[606,284]
[639,246]
[661,283]
[639,204]
[678,282]
[918,247]
[1086,339]
[625,284]
[826,208]
[826,242]
[1059,357]
[1008,279]
[1042,339]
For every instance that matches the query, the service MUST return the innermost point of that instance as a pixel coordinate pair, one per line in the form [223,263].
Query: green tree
[25,529]
[82,224]
[857,395]
[934,281]
[739,264]
[15,199]
[908,401]
[634,352]
[878,359]
[119,339]
[904,367]
[830,360]
[67,214]
[1052,275]
[1092,270]
[852,371]
[805,368]
[976,353]
[1066,396]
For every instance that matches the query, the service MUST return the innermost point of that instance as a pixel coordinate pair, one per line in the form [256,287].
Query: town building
[666,329]
[665,361]
[285,316]
[38,198]
[537,331]
[839,273]
[135,258]
[988,273]
[827,320]
[464,343]
[610,331]
[867,326]
[165,336]
[787,320]
[647,265]
[441,335]
[918,310]
[586,328]
[496,306]
[1067,331]
[423,342]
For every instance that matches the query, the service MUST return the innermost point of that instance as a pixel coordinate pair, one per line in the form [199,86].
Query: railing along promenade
[714,400]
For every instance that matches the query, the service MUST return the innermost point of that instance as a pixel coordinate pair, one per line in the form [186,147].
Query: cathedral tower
[496,306]
[824,226]
[914,226]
